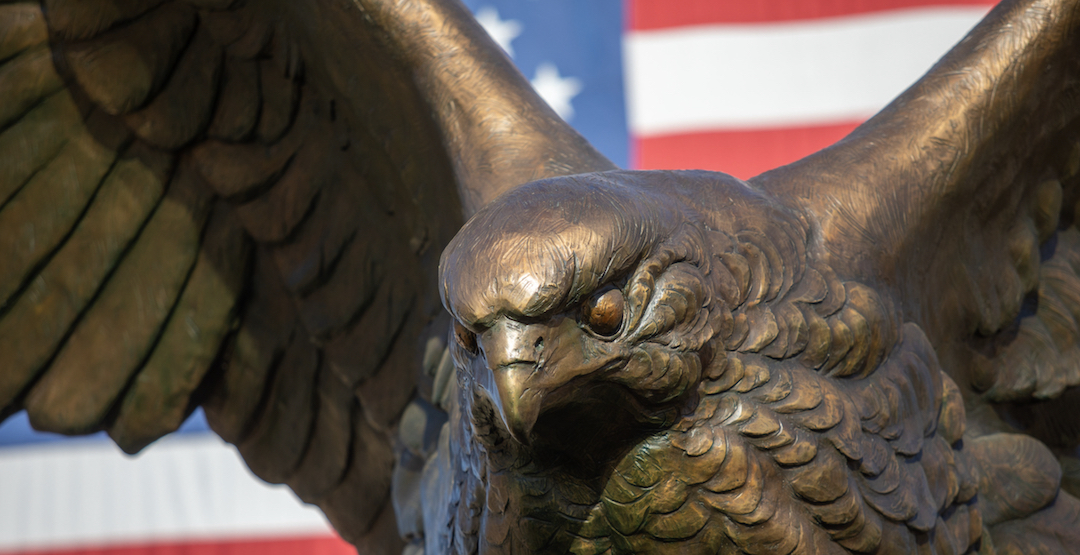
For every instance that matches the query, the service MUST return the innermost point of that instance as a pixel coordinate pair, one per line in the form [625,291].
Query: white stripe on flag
[783,74]
[190,487]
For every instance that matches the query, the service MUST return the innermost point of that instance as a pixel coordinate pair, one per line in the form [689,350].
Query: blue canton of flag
[571,51]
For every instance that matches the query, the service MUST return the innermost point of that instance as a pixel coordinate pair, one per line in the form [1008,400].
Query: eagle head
[581,303]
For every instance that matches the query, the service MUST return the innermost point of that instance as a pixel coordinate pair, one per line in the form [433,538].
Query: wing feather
[203,202]
[123,68]
[36,323]
[74,20]
[328,454]
[27,78]
[41,214]
[175,116]
[281,431]
[117,332]
[159,398]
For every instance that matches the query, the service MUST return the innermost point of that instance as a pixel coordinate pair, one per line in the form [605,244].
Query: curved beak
[518,404]
[528,367]
[513,352]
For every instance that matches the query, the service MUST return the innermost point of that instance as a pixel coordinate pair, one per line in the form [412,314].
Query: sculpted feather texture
[647,362]
[750,397]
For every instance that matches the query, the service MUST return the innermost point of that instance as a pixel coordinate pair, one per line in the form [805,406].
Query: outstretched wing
[959,200]
[959,197]
[242,205]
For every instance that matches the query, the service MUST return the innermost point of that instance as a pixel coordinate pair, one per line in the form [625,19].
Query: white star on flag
[555,89]
[503,31]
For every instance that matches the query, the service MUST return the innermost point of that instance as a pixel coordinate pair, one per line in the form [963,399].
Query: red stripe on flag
[322,545]
[742,153]
[645,15]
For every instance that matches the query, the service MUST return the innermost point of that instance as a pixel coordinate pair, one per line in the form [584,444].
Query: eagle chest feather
[785,459]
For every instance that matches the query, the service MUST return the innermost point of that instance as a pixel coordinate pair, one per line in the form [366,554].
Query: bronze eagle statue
[259,207]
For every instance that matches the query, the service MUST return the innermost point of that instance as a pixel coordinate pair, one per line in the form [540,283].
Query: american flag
[730,85]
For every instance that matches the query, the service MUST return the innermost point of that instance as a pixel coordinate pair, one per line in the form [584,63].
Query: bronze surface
[242,205]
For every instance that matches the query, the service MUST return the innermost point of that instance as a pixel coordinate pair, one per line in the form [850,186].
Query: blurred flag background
[730,85]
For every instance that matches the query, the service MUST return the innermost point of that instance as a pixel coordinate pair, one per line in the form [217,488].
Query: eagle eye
[466,338]
[603,312]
